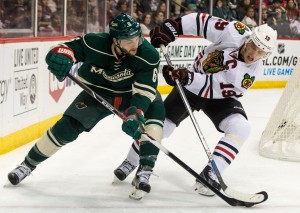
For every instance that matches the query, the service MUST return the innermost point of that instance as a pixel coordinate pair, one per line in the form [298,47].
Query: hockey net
[281,137]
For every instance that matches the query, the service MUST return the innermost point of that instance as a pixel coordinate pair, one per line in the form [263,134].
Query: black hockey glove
[184,76]
[166,33]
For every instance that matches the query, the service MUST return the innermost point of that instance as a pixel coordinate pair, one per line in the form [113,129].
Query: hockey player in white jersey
[221,74]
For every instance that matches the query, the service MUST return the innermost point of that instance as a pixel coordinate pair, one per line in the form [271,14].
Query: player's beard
[130,52]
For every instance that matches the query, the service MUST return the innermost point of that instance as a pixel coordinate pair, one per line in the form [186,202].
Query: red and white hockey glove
[60,61]
[135,123]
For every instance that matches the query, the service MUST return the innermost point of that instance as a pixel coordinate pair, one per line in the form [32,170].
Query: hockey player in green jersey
[121,67]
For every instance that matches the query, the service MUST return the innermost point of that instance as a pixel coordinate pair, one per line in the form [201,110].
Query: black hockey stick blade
[231,201]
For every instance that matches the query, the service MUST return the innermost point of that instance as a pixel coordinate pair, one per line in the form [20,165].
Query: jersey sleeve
[144,87]
[74,44]
[77,45]
[202,24]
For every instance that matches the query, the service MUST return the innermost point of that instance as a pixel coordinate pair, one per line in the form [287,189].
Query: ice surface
[79,177]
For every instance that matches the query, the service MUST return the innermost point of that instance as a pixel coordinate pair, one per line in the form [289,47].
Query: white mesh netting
[281,137]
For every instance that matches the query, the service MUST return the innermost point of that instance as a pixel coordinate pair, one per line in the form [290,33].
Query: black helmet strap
[123,51]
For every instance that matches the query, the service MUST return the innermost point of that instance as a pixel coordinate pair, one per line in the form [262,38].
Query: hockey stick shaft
[101,100]
[180,5]
[261,196]
[194,121]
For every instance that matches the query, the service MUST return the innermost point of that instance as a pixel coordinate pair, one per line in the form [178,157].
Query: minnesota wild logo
[240,27]
[214,62]
[247,81]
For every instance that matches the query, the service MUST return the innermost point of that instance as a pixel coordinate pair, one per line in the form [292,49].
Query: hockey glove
[184,76]
[134,125]
[60,60]
[166,33]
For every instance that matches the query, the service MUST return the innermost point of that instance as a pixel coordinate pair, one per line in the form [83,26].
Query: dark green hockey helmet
[124,26]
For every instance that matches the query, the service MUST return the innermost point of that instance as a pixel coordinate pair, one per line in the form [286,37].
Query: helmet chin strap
[123,51]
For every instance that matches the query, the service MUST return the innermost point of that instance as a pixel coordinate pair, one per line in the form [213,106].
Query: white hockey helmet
[264,37]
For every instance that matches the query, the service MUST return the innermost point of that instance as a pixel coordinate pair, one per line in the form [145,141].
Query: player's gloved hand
[134,125]
[184,76]
[60,60]
[166,33]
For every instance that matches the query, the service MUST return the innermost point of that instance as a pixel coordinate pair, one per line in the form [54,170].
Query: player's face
[130,45]
[252,53]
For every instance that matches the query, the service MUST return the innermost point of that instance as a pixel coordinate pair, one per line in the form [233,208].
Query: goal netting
[281,137]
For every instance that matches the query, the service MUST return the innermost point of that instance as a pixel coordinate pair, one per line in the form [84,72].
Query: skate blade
[136,194]
[7,183]
[116,180]
[203,190]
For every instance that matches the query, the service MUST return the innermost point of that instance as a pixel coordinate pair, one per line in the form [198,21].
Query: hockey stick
[101,100]
[180,5]
[258,197]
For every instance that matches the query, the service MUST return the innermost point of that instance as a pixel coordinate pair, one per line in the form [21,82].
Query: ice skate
[141,182]
[211,178]
[123,171]
[19,173]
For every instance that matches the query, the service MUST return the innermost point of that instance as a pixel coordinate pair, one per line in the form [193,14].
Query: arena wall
[32,99]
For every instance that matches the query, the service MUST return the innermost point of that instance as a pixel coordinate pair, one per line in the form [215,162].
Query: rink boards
[32,99]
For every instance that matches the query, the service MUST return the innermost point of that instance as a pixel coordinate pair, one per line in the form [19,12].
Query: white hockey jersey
[218,73]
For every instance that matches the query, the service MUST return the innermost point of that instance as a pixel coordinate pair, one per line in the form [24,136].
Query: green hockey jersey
[134,76]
